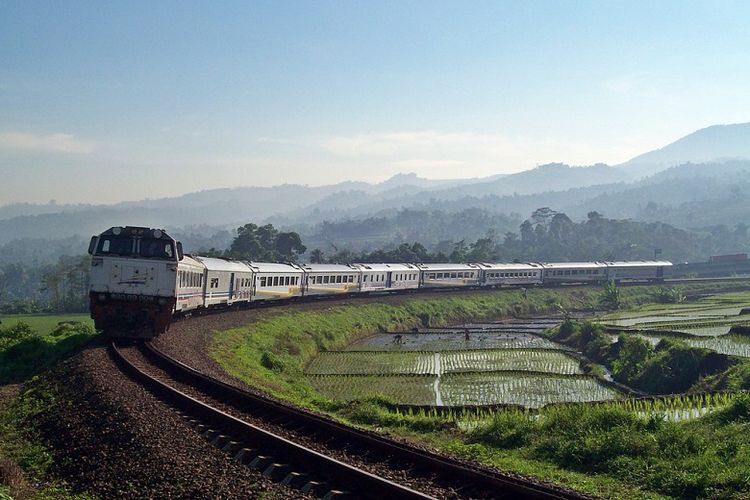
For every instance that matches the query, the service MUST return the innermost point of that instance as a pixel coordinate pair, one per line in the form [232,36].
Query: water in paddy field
[731,345]
[491,364]
[452,341]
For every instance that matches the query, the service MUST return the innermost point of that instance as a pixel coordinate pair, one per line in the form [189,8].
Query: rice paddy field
[705,323]
[448,368]
[454,340]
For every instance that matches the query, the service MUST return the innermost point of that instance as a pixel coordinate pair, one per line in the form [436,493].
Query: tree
[316,256]
[255,242]
[528,238]
[482,250]
[459,252]
[289,246]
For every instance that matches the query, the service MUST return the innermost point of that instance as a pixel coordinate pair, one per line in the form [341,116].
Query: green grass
[272,354]
[43,324]
[700,458]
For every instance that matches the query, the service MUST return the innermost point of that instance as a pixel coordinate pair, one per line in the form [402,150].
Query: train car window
[263,281]
[325,279]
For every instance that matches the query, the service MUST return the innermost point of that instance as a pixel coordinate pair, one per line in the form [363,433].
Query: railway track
[278,440]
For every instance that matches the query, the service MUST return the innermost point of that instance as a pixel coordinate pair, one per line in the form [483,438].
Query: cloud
[51,143]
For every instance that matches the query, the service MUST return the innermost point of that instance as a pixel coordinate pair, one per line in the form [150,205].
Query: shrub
[272,362]
[508,429]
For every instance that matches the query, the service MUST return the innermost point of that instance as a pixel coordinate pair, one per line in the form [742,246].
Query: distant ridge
[718,142]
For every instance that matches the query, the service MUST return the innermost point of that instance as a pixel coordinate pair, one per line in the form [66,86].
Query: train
[141,279]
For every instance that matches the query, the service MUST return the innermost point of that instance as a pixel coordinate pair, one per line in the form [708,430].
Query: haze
[103,102]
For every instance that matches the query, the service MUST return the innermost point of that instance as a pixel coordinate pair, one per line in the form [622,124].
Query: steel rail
[496,483]
[356,481]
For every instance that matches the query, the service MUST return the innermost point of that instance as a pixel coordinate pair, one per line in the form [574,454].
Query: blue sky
[107,101]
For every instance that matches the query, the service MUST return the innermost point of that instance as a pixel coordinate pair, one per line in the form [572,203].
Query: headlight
[116,230]
[158,234]
[102,297]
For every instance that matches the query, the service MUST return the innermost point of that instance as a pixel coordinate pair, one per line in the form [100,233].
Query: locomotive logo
[133,276]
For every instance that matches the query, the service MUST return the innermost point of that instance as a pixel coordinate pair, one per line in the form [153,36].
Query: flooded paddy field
[705,323]
[452,340]
[507,363]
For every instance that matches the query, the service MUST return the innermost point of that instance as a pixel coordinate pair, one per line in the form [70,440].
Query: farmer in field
[467,335]
[397,339]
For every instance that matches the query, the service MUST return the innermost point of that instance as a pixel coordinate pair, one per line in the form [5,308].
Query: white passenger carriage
[226,281]
[638,270]
[508,274]
[328,279]
[383,277]
[574,272]
[449,275]
[276,281]
[190,279]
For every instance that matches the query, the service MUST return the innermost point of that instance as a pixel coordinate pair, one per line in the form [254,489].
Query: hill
[718,142]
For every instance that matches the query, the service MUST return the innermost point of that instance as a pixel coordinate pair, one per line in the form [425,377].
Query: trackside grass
[605,449]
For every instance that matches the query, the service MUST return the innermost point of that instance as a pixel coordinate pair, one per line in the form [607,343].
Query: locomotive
[141,279]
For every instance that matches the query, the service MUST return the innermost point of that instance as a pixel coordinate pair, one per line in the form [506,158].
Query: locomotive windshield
[127,246]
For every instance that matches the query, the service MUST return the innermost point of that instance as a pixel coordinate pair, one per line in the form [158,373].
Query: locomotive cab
[133,281]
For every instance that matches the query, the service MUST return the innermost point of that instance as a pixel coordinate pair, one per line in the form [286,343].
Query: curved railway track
[223,413]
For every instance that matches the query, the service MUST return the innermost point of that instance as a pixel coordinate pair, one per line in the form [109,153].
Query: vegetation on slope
[590,448]
[24,352]
[701,458]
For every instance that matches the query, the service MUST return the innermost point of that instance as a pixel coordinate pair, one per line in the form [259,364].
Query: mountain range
[695,182]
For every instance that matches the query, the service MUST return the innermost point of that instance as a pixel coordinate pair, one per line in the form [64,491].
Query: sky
[124,100]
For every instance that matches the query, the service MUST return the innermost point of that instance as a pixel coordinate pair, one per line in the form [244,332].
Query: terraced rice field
[731,345]
[445,368]
[705,323]
[453,341]
[439,363]
[414,390]
[530,390]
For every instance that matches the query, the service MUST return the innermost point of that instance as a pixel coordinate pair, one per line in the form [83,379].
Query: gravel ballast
[111,438]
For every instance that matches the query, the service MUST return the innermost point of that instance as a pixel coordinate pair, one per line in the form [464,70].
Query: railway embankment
[85,429]
[271,351]
[82,427]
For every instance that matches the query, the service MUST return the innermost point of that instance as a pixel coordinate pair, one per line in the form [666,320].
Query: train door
[231,287]
[388,279]
[659,272]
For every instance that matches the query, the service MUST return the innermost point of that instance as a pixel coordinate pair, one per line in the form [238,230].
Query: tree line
[546,235]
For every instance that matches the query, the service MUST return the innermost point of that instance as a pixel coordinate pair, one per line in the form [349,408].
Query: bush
[508,429]
[15,334]
[272,362]
[593,438]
